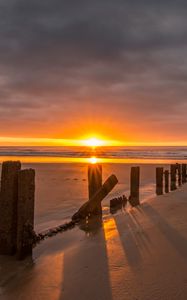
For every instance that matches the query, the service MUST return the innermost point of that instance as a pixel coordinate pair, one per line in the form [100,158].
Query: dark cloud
[124,58]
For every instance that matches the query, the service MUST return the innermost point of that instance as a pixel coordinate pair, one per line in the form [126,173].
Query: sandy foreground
[139,254]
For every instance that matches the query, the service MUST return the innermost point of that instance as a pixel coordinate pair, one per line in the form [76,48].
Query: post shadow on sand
[172,235]
[131,243]
[9,274]
[89,265]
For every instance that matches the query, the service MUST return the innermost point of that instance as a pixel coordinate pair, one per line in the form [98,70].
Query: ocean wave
[108,152]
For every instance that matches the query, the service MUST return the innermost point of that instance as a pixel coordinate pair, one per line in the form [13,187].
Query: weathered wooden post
[134,197]
[179,173]
[173,176]
[25,212]
[159,180]
[184,173]
[166,179]
[94,182]
[8,207]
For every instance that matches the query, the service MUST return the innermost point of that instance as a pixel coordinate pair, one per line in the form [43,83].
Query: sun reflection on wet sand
[87,160]
[93,160]
[117,261]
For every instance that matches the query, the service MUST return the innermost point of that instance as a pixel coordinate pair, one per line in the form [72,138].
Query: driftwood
[88,208]
[117,203]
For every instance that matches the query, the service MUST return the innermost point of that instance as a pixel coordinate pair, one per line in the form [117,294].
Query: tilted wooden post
[173,176]
[184,173]
[25,212]
[166,179]
[134,197]
[94,182]
[8,207]
[90,206]
[159,180]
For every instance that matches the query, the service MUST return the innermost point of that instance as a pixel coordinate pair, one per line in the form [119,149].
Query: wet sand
[138,254]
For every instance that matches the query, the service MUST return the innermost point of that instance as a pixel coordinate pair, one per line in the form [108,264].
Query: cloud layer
[69,67]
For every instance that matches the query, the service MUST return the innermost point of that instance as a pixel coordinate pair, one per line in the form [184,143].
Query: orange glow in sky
[88,142]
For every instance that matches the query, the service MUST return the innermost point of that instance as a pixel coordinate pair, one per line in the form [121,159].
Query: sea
[110,153]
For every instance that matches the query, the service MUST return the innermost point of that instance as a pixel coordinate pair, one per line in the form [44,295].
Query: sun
[93,142]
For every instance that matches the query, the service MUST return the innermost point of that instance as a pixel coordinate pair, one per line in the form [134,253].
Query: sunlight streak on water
[87,160]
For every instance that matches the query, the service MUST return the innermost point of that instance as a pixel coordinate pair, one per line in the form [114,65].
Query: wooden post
[134,198]
[184,173]
[25,223]
[159,180]
[179,173]
[90,206]
[94,179]
[166,179]
[173,176]
[8,207]
[94,182]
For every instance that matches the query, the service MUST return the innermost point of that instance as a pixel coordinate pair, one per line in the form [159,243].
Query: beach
[136,253]
[139,253]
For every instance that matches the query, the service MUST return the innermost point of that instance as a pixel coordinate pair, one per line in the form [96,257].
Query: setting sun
[94,142]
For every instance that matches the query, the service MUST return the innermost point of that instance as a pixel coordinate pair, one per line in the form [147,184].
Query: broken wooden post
[179,173]
[173,176]
[184,173]
[117,203]
[89,207]
[94,182]
[166,179]
[134,186]
[25,212]
[159,180]
[8,207]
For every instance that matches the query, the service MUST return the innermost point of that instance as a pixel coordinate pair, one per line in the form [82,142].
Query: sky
[72,69]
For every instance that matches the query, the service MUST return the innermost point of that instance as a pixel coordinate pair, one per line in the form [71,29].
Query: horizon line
[57,142]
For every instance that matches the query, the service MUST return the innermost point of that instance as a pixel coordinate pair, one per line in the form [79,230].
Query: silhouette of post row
[178,175]
[17,195]
[16,209]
